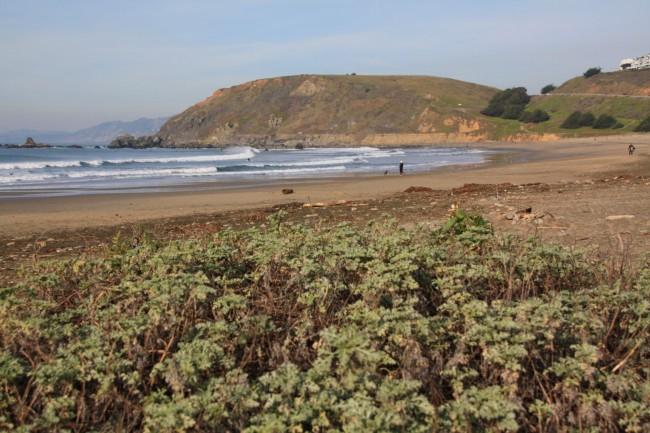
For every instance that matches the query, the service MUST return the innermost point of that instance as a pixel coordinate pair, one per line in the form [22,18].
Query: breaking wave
[112,168]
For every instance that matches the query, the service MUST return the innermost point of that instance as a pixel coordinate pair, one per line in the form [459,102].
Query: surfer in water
[401,168]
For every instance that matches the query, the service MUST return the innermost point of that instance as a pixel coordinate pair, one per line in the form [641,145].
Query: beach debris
[411,189]
[619,217]
[525,215]
[287,191]
[323,204]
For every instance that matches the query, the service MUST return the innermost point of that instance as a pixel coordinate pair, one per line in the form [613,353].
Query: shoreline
[549,162]
[493,155]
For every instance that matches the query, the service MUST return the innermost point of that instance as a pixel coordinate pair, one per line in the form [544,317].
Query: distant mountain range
[98,135]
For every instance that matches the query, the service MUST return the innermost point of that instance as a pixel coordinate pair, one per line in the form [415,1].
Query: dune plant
[288,329]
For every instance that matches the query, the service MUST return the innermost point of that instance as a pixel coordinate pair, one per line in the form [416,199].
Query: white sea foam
[35,165]
[316,162]
[242,154]
[116,174]
[154,173]
[287,171]
[246,154]
[115,168]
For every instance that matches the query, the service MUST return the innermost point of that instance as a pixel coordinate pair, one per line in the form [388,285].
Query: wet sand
[517,163]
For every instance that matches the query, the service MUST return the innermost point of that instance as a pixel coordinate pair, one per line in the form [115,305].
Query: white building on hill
[642,62]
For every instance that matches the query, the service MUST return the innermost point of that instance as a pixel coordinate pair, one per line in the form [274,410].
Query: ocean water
[65,170]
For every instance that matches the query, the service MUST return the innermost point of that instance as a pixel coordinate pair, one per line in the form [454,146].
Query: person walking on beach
[631,149]
[401,168]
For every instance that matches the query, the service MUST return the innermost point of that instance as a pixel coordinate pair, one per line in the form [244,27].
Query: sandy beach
[517,163]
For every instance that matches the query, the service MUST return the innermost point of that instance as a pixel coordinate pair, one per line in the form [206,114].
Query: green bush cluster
[644,126]
[605,121]
[511,104]
[292,329]
[591,72]
[548,89]
[508,104]
[578,119]
[535,116]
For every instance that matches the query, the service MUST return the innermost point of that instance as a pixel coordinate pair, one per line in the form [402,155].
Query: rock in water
[129,141]
[30,143]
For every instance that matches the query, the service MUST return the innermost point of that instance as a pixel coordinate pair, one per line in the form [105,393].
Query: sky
[69,64]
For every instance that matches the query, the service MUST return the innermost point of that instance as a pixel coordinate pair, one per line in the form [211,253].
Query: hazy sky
[67,64]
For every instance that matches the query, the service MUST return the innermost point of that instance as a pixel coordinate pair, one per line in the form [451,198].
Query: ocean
[88,170]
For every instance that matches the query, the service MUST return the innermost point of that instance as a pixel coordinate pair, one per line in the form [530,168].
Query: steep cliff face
[328,110]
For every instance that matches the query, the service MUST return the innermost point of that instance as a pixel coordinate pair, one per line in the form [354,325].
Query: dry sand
[548,162]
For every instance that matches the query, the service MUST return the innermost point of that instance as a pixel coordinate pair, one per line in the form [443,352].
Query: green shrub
[293,329]
[574,121]
[512,112]
[591,72]
[509,103]
[587,119]
[605,121]
[548,89]
[536,116]
[493,110]
[644,126]
[578,119]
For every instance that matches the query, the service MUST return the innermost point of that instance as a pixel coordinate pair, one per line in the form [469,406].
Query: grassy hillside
[610,83]
[624,95]
[351,105]
[326,110]
[627,110]
[291,329]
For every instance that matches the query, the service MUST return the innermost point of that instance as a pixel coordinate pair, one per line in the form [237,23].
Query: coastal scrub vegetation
[548,89]
[591,72]
[511,104]
[508,103]
[644,126]
[605,121]
[579,119]
[535,116]
[286,328]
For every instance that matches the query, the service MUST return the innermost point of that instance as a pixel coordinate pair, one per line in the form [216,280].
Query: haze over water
[65,170]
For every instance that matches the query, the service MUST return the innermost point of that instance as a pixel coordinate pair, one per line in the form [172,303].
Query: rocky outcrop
[143,142]
[30,143]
